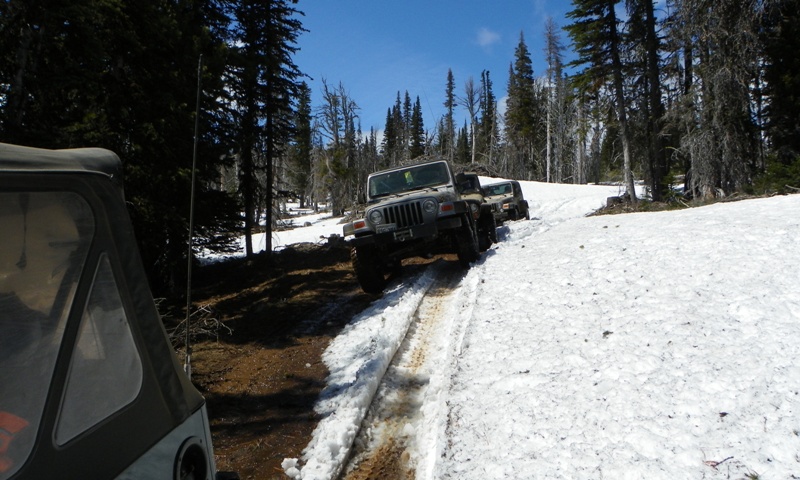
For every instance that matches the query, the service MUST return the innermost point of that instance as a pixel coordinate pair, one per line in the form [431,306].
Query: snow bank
[659,345]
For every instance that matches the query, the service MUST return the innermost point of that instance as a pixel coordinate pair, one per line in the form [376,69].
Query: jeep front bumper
[416,232]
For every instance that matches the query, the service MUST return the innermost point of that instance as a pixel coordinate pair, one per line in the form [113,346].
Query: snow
[302,226]
[313,228]
[648,345]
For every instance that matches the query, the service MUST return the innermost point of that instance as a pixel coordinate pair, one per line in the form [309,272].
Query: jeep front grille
[404,214]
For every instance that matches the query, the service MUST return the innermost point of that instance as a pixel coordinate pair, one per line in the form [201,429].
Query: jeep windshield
[408,179]
[498,189]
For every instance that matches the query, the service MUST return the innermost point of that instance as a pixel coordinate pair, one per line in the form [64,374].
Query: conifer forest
[698,99]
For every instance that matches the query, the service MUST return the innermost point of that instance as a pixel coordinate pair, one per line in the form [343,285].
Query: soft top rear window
[45,242]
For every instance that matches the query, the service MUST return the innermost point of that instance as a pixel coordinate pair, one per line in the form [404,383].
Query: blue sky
[376,48]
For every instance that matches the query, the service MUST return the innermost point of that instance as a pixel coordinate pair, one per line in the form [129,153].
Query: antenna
[187,365]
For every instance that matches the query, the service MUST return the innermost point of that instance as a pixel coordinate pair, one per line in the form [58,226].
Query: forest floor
[258,361]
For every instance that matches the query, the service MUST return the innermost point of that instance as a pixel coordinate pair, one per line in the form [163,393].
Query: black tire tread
[368,270]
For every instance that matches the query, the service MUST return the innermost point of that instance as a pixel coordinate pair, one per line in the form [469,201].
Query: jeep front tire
[368,268]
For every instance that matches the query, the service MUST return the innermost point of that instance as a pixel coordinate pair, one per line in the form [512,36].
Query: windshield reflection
[410,179]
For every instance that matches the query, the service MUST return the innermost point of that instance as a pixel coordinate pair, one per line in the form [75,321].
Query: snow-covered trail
[360,356]
[386,443]
[358,360]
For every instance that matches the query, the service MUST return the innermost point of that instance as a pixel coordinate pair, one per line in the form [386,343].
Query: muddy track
[381,449]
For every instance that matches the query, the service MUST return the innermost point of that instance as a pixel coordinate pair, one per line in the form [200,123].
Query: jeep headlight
[429,206]
[375,217]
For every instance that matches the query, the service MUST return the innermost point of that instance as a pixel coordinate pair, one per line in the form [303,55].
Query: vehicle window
[45,241]
[500,189]
[430,175]
[106,371]
[412,178]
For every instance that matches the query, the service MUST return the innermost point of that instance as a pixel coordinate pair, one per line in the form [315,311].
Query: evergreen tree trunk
[619,91]
[248,198]
[658,165]
[549,141]
[269,200]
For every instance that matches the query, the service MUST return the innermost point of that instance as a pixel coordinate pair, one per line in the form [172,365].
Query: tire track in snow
[382,447]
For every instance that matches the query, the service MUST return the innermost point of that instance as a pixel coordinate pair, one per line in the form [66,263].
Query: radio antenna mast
[187,365]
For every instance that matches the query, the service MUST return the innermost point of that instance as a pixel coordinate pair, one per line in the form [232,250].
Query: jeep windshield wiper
[424,187]
[379,195]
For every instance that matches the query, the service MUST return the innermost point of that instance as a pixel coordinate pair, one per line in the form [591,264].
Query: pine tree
[448,132]
[487,126]
[722,144]
[301,149]
[463,154]
[596,35]
[264,81]
[524,116]
[399,132]
[406,128]
[389,140]
[782,75]
[417,128]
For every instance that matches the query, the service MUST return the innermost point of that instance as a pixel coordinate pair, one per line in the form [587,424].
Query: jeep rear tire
[467,241]
[368,268]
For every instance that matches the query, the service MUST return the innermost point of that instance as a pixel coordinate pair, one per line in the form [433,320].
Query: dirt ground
[262,378]
[263,373]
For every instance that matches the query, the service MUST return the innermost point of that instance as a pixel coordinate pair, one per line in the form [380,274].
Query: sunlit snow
[649,345]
